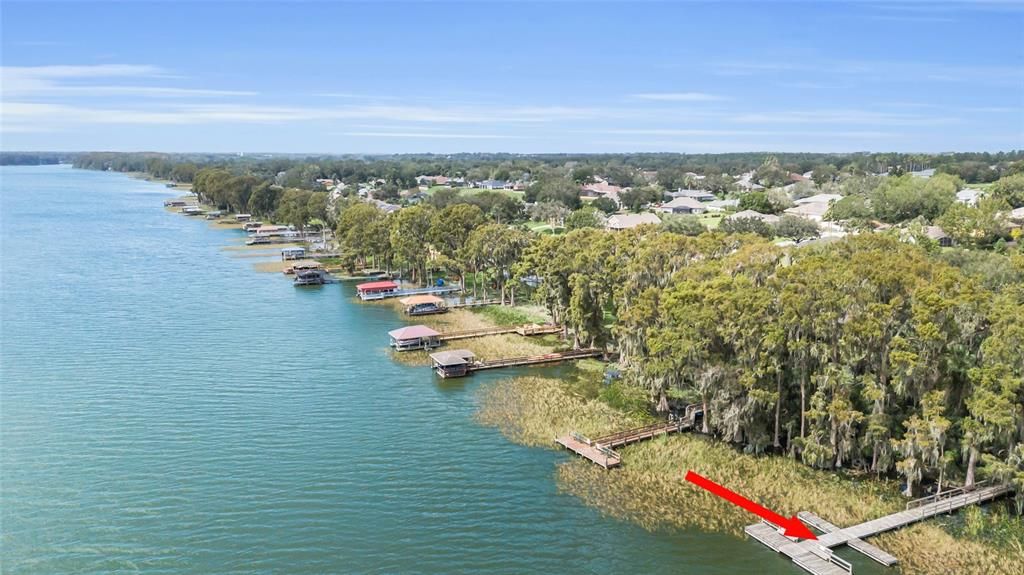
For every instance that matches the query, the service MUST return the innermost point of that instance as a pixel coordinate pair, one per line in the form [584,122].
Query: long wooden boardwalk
[817,557]
[535,359]
[523,330]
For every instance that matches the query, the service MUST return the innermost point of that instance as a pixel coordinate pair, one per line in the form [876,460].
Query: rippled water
[166,409]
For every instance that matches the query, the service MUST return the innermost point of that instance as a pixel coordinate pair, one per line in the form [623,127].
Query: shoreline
[657,498]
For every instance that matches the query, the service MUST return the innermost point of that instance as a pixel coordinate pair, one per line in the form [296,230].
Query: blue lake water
[167,409]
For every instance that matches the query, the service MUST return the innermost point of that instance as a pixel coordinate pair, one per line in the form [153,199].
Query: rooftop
[627,221]
[421,299]
[452,357]
[413,332]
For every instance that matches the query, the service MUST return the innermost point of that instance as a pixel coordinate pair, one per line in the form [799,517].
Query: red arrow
[793,527]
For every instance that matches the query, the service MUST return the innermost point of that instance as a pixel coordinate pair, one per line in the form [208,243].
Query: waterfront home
[454,363]
[682,205]
[423,304]
[752,215]
[311,277]
[243,217]
[376,290]
[293,253]
[192,210]
[628,221]
[251,226]
[414,337]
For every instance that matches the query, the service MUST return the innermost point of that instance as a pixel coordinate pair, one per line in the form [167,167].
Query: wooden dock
[536,359]
[475,303]
[816,557]
[523,330]
[585,447]
[412,291]
[602,450]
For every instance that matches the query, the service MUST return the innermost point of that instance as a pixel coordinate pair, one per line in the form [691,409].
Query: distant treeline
[621,169]
[33,158]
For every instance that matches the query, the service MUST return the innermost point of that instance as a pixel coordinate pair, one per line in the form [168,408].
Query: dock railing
[948,494]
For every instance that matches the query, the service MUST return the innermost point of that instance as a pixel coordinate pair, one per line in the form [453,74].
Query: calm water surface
[167,409]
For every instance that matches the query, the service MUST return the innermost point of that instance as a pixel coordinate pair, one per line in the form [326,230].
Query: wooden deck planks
[591,452]
[816,556]
[858,545]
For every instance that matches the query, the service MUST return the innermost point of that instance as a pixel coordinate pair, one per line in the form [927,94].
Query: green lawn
[711,220]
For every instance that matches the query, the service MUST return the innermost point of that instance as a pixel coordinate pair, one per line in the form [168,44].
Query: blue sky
[318,77]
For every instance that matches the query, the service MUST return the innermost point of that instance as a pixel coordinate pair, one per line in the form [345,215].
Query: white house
[969,196]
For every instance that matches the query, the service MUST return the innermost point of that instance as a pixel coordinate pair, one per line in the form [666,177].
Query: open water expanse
[167,409]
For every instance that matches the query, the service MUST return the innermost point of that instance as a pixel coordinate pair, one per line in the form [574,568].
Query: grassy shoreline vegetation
[649,489]
[833,374]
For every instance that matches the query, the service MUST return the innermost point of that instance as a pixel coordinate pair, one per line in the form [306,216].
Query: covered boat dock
[414,337]
[424,304]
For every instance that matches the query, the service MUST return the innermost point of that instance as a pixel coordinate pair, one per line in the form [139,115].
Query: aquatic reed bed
[532,411]
[649,488]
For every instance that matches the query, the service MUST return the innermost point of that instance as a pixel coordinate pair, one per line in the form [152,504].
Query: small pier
[459,363]
[475,303]
[523,330]
[536,359]
[817,557]
[602,450]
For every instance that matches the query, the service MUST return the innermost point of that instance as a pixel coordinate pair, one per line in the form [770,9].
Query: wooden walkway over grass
[817,557]
[602,450]
[536,359]
[523,330]
[475,303]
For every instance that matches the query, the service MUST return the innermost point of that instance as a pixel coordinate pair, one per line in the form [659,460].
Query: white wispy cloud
[435,135]
[71,81]
[843,117]
[679,97]
[46,116]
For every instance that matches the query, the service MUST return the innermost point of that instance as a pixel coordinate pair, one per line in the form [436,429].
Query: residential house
[923,173]
[494,185]
[939,235]
[721,205]
[600,189]
[969,196]
[682,205]
[818,198]
[751,214]
[699,195]
[628,221]
[814,211]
